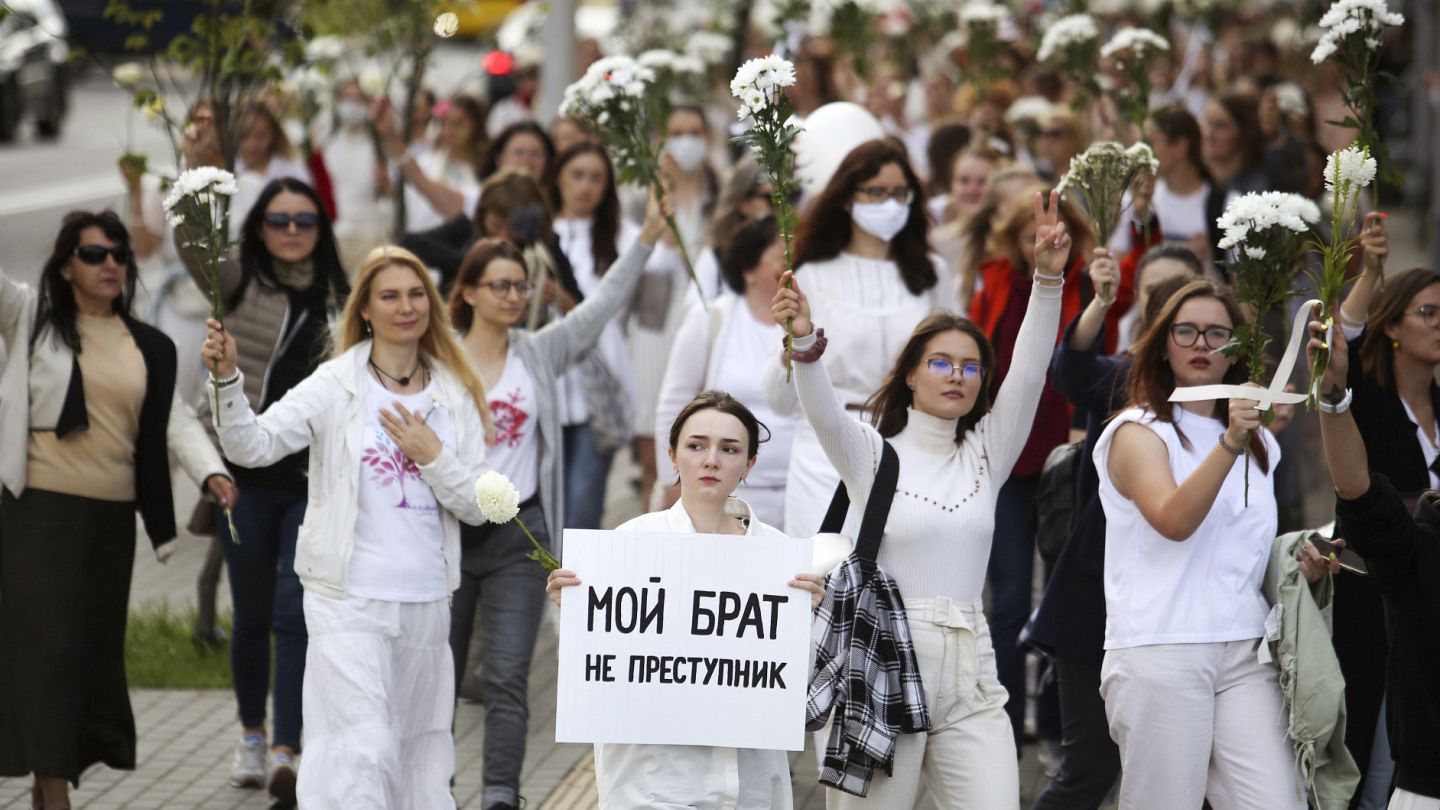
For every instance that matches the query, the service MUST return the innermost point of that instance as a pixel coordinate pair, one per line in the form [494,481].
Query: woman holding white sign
[713,444]
[955,451]
[1193,710]
[396,424]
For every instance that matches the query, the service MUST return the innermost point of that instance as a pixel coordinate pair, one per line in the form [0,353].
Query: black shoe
[282,788]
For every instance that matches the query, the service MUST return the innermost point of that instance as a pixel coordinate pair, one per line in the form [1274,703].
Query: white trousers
[968,758]
[1405,800]
[379,696]
[1197,721]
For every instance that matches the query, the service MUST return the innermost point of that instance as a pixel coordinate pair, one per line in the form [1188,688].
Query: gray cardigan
[548,353]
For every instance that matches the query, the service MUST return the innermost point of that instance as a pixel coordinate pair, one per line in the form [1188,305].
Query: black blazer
[154,499]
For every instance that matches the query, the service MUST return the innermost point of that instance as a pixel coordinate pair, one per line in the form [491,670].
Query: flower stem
[540,554]
[685,255]
[230,523]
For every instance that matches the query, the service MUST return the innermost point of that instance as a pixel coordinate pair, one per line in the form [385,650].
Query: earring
[1395,345]
[364,326]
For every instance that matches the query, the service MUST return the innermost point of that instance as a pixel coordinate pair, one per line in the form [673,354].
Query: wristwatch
[1337,408]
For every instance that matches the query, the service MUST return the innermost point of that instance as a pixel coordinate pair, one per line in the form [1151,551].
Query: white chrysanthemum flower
[497,498]
[1141,157]
[1135,42]
[200,183]
[1347,18]
[1291,99]
[128,75]
[1351,169]
[372,81]
[325,49]
[983,12]
[710,47]
[447,24]
[1067,31]
[1255,252]
[1029,108]
[688,64]
[657,59]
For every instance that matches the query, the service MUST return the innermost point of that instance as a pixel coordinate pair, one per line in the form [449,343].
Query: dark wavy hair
[490,163]
[1377,353]
[472,270]
[826,229]
[888,406]
[713,400]
[56,307]
[740,255]
[605,226]
[1152,379]
[1244,110]
[330,287]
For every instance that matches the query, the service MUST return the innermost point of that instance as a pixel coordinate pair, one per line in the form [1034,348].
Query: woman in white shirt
[719,347]
[1194,712]
[580,188]
[358,180]
[263,154]
[441,181]
[396,424]
[955,450]
[522,372]
[862,253]
[713,444]
[1182,186]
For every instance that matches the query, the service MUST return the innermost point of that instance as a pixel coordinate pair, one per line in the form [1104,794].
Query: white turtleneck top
[937,539]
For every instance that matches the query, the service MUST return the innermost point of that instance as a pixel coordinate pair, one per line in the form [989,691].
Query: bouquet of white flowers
[196,208]
[499,502]
[1097,181]
[1131,49]
[1347,172]
[1266,234]
[1351,39]
[1072,44]
[981,21]
[614,102]
[760,85]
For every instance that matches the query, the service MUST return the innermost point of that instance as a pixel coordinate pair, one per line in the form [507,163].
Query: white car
[34,69]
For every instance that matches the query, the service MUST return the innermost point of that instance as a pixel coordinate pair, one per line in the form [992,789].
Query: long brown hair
[472,268]
[1377,353]
[1151,378]
[826,229]
[888,405]
[605,224]
[439,342]
[508,192]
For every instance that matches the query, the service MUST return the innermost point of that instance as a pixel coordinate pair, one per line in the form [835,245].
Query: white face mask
[351,113]
[688,151]
[882,220]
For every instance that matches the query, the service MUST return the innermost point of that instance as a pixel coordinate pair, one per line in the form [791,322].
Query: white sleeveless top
[1205,588]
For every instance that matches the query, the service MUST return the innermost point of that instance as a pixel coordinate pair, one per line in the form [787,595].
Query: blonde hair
[439,342]
[975,230]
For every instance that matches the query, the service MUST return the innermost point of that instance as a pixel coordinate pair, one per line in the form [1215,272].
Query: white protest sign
[1264,397]
[684,639]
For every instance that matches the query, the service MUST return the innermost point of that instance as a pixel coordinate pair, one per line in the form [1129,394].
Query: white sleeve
[286,427]
[1007,425]
[852,446]
[190,445]
[451,476]
[684,374]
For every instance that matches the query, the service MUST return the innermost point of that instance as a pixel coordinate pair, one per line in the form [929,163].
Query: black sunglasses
[95,254]
[303,221]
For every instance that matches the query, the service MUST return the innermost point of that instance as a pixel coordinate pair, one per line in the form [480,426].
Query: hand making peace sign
[1052,243]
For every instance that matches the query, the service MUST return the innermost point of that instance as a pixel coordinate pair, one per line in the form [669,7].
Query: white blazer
[326,413]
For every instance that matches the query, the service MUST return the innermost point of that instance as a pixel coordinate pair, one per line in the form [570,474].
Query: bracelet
[1339,407]
[811,354]
[1057,279]
[1234,451]
[228,381]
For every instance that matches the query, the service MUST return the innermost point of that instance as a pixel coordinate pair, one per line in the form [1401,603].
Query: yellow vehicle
[480,17]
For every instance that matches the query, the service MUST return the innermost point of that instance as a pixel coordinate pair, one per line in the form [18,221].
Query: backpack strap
[877,506]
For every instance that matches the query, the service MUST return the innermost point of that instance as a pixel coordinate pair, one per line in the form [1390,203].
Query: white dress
[672,777]
[574,237]
[872,314]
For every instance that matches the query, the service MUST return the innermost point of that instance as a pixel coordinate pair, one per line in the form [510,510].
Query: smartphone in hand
[1349,560]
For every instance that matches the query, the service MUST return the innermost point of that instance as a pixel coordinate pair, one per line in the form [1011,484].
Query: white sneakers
[247,765]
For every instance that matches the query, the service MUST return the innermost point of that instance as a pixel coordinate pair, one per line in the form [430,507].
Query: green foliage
[159,652]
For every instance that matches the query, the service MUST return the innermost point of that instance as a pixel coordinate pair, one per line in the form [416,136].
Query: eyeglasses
[879,194]
[95,254]
[941,367]
[1427,313]
[1185,335]
[502,289]
[303,221]
[1054,133]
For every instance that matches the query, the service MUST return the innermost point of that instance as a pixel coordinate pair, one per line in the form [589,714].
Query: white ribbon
[1264,397]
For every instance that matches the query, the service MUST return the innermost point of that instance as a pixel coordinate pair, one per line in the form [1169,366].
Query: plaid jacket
[866,672]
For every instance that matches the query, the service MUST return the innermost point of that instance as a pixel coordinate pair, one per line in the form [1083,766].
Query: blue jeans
[267,597]
[498,577]
[1012,567]
[586,470]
